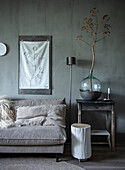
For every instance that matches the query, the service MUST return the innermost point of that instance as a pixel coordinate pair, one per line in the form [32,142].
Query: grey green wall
[63,19]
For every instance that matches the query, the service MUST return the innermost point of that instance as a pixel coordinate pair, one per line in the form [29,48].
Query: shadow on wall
[87,63]
[84,63]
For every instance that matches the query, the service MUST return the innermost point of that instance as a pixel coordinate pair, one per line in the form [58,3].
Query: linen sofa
[29,135]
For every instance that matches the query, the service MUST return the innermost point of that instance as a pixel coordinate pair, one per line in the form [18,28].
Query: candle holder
[109,91]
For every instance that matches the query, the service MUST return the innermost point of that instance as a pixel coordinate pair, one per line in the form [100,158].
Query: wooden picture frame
[35,65]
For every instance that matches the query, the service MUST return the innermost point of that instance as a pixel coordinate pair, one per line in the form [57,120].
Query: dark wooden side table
[100,105]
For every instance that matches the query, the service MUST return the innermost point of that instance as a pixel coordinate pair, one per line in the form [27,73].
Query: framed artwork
[35,65]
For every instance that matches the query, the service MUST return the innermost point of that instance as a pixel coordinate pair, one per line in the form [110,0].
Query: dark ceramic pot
[90,95]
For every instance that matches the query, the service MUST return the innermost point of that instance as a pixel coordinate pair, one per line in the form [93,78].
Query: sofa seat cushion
[33,135]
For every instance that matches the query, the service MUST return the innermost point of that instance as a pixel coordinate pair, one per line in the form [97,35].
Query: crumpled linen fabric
[7,116]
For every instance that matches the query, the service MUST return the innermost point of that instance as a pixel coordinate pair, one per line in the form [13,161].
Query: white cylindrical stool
[81,141]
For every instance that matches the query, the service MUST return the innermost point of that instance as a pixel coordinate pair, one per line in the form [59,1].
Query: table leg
[79,113]
[107,121]
[113,128]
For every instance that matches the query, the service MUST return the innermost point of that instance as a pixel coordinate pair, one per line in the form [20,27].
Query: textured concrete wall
[63,20]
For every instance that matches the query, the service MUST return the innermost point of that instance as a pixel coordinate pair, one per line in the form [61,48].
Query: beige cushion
[35,121]
[52,114]
[56,115]
[30,112]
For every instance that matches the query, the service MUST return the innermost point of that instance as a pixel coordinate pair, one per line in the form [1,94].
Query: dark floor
[102,158]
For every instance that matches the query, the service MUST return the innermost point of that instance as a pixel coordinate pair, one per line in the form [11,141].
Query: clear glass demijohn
[90,87]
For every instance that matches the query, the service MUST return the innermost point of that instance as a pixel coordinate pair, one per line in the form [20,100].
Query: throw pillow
[30,122]
[30,112]
[56,115]
[53,114]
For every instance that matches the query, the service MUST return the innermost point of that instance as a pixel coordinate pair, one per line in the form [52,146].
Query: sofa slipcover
[34,139]
[33,135]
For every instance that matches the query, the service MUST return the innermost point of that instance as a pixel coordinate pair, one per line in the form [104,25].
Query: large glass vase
[90,88]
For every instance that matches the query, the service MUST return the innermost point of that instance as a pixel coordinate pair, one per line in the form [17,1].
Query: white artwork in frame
[35,65]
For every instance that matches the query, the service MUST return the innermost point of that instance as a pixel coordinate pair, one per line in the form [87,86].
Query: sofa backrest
[37,102]
[52,111]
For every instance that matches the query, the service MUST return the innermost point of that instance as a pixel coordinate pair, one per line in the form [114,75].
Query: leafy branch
[91,26]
